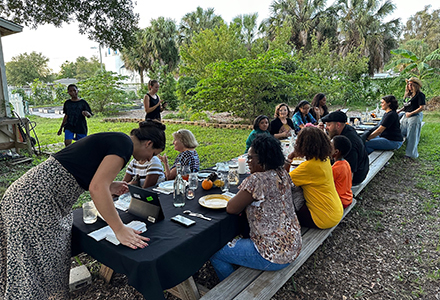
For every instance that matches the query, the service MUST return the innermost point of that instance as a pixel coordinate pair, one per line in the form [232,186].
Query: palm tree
[134,58]
[361,25]
[306,18]
[248,28]
[197,21]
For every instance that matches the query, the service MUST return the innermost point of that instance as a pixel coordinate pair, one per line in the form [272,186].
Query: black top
[313,113]
[391,122]
[276,126]
[82,159]
[358,156]
[414,103]
[76,122]
[155,114]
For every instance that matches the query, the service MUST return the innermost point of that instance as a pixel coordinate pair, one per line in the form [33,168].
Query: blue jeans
[411,128]
[242,253]
[380,143]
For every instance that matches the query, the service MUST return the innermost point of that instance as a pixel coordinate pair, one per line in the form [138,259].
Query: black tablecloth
[174,252]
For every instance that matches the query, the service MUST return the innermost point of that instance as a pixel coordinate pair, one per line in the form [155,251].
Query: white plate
[203,174]
[215,201]
[168,185]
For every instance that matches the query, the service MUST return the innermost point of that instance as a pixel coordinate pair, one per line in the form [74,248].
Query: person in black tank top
[152,103]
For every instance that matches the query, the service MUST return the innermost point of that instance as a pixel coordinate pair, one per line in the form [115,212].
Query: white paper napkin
[108,234]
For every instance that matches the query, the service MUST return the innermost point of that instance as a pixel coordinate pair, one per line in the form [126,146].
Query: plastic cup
[90,213]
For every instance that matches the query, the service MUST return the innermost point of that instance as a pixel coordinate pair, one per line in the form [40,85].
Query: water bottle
[179,188]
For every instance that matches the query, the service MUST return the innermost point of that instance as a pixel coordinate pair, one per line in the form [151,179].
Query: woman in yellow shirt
[322,208]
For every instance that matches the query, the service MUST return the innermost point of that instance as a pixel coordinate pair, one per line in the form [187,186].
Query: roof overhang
[8,27]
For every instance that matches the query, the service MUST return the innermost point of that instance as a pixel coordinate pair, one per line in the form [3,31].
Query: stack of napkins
[108,234]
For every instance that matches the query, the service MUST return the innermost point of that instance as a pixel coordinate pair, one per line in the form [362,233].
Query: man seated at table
[357,157]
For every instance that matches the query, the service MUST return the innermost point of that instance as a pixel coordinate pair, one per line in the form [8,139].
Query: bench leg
[106,273]
[186,290]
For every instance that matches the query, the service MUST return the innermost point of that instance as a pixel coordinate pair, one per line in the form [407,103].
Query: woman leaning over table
[265,196]
[411,122]
[186,143]
[387,135]
[261,126]
[36,210]
[322,208]
[281,126]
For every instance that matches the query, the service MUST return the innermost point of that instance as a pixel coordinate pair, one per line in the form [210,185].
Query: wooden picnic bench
[246,283]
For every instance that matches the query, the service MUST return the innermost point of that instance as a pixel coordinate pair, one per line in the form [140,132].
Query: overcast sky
[61,44]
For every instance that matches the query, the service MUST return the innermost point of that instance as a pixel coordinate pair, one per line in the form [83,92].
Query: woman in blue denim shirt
[302,116]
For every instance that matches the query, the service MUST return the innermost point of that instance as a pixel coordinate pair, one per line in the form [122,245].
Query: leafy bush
[103,92]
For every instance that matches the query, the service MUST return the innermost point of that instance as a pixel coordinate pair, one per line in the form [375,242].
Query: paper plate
[215,201]
[377,119]
[168,185]
[369,123]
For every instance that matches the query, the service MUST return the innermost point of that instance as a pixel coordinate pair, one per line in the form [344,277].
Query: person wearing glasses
[266,198]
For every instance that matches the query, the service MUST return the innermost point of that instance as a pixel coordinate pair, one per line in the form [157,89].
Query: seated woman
[265,196]
[148,172]
[281,126]
[184,142]
[388,135]
[302,116]
[319,107]
[322,208]
[261,124]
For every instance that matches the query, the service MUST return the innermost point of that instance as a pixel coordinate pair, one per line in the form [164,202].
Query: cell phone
[183,221]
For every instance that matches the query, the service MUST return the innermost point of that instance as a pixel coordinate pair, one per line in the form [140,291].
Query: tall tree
[24,68]
[248,28]
[424,26]
[160,43]
[361,25]
[219,44]
[305,17]
[81,69]
[195,22]
[135,58]
[108,22]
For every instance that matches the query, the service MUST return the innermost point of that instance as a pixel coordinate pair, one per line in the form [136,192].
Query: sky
[61,44]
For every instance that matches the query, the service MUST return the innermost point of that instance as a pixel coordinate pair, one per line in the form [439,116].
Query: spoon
[193,214]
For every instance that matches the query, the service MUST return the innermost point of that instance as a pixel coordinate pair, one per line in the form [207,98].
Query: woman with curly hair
[322,208]
[281,126]
[266,197]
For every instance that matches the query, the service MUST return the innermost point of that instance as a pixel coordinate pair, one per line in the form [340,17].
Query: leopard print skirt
[35,233]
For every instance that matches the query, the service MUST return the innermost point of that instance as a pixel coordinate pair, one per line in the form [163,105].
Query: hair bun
[152,122]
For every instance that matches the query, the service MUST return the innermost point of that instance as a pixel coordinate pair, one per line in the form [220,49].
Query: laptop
[145,204]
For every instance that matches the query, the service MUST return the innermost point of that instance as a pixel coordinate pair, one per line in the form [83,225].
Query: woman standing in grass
[152,103]
[36,210]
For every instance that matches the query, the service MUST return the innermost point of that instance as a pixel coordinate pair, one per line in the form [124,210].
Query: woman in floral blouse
[265,196]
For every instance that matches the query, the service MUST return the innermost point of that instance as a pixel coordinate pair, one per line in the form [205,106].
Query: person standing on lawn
[153,105]
[75,112]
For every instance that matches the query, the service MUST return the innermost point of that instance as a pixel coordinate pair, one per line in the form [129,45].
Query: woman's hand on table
[118,188]
[131,238]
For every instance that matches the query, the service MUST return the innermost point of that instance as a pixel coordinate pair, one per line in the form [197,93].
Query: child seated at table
[150,172]
[322,208]
[265,195]
[341,169]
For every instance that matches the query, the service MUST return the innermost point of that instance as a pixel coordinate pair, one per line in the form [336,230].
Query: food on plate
[219,183]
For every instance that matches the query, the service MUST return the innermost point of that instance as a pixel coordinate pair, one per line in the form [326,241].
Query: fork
[193,214]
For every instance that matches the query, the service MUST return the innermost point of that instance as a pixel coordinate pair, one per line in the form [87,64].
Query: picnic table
[174,253]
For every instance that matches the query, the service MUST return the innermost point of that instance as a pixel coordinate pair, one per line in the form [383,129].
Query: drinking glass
[233,177]
[90,213]
[225,187]
[186,170]
[193,183]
